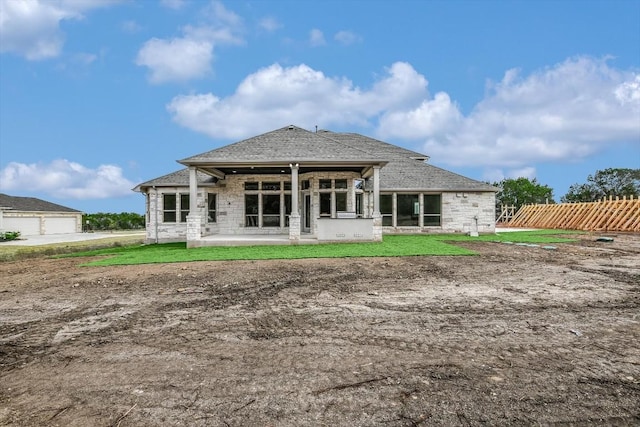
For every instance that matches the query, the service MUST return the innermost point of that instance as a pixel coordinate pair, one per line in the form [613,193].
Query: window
[325,184]
[168,208]
[432,209]
[408,210]
[341,202]
[211,207]
[325,204]
[251,210]
[267,203]
[341,184]
[271,210]
[184,207]
[306,184]
[386,209]
[271,186]
[174,204]
[359,205]
[287,209]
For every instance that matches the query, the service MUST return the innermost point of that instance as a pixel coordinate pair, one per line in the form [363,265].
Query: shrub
[9,235]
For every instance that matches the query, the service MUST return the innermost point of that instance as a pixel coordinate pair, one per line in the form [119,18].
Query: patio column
[376,191]
[194,224]
[377,217]
[294,218]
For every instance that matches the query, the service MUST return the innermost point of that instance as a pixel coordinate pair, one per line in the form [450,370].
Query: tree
[521,191]
[113,221]
[604,183]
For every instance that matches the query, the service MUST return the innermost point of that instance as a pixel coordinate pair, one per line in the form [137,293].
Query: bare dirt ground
[513,336]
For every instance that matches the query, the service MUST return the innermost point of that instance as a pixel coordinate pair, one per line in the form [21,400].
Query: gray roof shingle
[31,204]
[176,179]
[405,170]
[288,144]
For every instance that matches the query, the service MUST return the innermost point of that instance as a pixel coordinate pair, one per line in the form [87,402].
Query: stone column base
[194,229]
[377,227]
[294,228]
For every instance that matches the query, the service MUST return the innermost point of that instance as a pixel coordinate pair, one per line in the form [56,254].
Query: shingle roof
[178,178]
[288,144]
[31,204]
[405,170]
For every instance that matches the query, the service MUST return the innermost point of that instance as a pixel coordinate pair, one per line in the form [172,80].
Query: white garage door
[59,225]
[26,226]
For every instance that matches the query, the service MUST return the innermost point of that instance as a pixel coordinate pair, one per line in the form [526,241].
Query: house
[31,216]
[318,186]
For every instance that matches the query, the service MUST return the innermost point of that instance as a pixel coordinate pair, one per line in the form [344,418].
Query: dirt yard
[513,336]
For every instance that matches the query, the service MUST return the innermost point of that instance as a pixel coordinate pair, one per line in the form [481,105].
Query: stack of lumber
[605,215]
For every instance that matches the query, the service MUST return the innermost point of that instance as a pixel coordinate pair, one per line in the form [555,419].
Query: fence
[605,215]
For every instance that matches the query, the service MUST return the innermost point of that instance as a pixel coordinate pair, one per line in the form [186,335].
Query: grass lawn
[398,245]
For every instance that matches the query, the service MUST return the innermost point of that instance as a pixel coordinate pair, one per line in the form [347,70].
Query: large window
[408,210]
[184,207]
[432,209]
[169,207]
[251,210]
[211,207]
[271,210]
[267,203]
[325,204]
[174,204]
[386,209]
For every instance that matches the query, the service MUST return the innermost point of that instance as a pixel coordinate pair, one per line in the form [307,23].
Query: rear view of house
[313,185]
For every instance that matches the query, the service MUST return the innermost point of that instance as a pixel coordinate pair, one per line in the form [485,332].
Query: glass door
[306,225]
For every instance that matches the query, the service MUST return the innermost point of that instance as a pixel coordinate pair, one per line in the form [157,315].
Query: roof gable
[31,204]
[288,144]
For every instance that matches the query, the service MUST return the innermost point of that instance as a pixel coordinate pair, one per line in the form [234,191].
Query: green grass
[392,246]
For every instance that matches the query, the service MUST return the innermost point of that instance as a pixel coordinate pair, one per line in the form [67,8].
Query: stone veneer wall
[459,211]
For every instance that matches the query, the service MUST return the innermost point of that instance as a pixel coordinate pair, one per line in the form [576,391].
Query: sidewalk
[39,240]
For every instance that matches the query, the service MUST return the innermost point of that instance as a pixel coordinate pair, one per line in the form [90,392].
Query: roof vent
[290,127]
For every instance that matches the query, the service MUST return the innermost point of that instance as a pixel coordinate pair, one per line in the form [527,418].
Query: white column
[377,217]
[295,209]
[193,190]
[194,224]
[376,190]
[294,218]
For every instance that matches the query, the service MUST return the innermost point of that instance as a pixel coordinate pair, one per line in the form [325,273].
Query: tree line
[112,221]
[612,182]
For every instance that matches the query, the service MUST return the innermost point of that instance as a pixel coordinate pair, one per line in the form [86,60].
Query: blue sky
[97,96]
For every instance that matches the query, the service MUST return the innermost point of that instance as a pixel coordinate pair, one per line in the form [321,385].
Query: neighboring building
[31,216]
[317,185]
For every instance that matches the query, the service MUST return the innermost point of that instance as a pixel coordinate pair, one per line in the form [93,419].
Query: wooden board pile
[605,215]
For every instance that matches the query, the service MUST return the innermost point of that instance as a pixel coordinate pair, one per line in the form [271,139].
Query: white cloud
[191,55]
[269,24]
[66,180]
[176,60]
[31,28]
[173,4]
[316,38]
[347,37]
[130,27]
[296,94]
[560,113]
